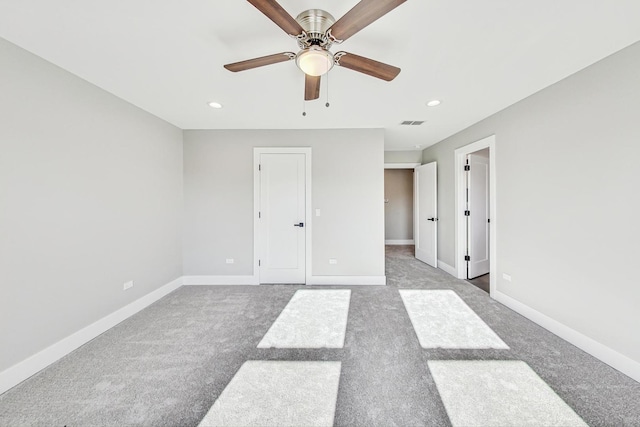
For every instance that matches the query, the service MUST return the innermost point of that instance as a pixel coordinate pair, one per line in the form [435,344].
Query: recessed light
[433,103]
[215,105]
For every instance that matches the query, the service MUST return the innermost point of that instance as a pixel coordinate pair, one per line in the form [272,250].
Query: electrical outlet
[506,277]
[230,260]
[127,285]
[333,261]
[317,212]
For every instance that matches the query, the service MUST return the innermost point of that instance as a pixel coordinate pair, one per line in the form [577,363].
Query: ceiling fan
[316,31]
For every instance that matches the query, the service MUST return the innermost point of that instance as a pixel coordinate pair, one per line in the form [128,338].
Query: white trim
[447,268]
[256,210]
[256,204]
[219,280]
[401,165]
[399,242]
[309,222]
[392,149]
[348,280]
[606,354]
[460,219]
[32,365]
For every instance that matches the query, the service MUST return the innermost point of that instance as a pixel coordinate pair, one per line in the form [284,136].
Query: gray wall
[398,209]
[567,204]
[347,185]
[413,156]
[90,197]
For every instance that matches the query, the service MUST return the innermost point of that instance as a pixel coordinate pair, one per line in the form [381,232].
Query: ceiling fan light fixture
[314,61]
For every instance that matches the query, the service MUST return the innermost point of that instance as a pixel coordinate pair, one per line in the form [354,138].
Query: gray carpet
[167,365]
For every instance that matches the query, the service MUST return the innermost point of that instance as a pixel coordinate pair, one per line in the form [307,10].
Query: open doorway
[398,207]
[475,213]
[416,190]
[399,187]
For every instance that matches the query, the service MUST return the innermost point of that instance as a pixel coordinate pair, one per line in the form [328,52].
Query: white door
[282,218]
[478,215]
[426,215]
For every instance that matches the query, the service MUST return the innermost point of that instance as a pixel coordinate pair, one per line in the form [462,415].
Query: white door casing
[478,218]
[282,233]
[426,214]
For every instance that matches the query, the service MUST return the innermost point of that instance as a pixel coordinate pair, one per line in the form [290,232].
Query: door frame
[257,151]
[460,219]
[401,165]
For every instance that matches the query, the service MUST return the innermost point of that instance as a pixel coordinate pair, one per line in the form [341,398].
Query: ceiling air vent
[412,123]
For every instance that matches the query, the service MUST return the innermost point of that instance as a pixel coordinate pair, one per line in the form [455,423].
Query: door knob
[432,219]
[300,224]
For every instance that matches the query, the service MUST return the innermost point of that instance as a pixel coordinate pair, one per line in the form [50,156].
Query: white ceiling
[478,57]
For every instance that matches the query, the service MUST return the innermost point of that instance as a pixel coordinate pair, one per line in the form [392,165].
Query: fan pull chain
[327,104]
[304,102]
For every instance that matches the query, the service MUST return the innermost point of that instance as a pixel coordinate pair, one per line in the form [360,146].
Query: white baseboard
[399,242]
[219,280]
[253,280]
[21,371]
[348,280]
[447,268]
[609,356]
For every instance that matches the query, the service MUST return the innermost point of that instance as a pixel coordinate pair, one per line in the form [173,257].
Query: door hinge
[259,214]
[467,213]
[259,167]
[258,263]
[467,168]
[467,258]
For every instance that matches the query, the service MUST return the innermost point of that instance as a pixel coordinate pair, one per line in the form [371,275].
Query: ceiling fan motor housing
[315,23]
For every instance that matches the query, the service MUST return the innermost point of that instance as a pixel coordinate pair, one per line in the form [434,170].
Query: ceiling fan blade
[260,62]
[278,15]
[367,66]
[311,87]
[362,14]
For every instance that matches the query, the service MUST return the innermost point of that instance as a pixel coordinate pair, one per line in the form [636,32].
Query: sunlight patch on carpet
[498,393]
[278,393]
[442,319]
[312,319]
